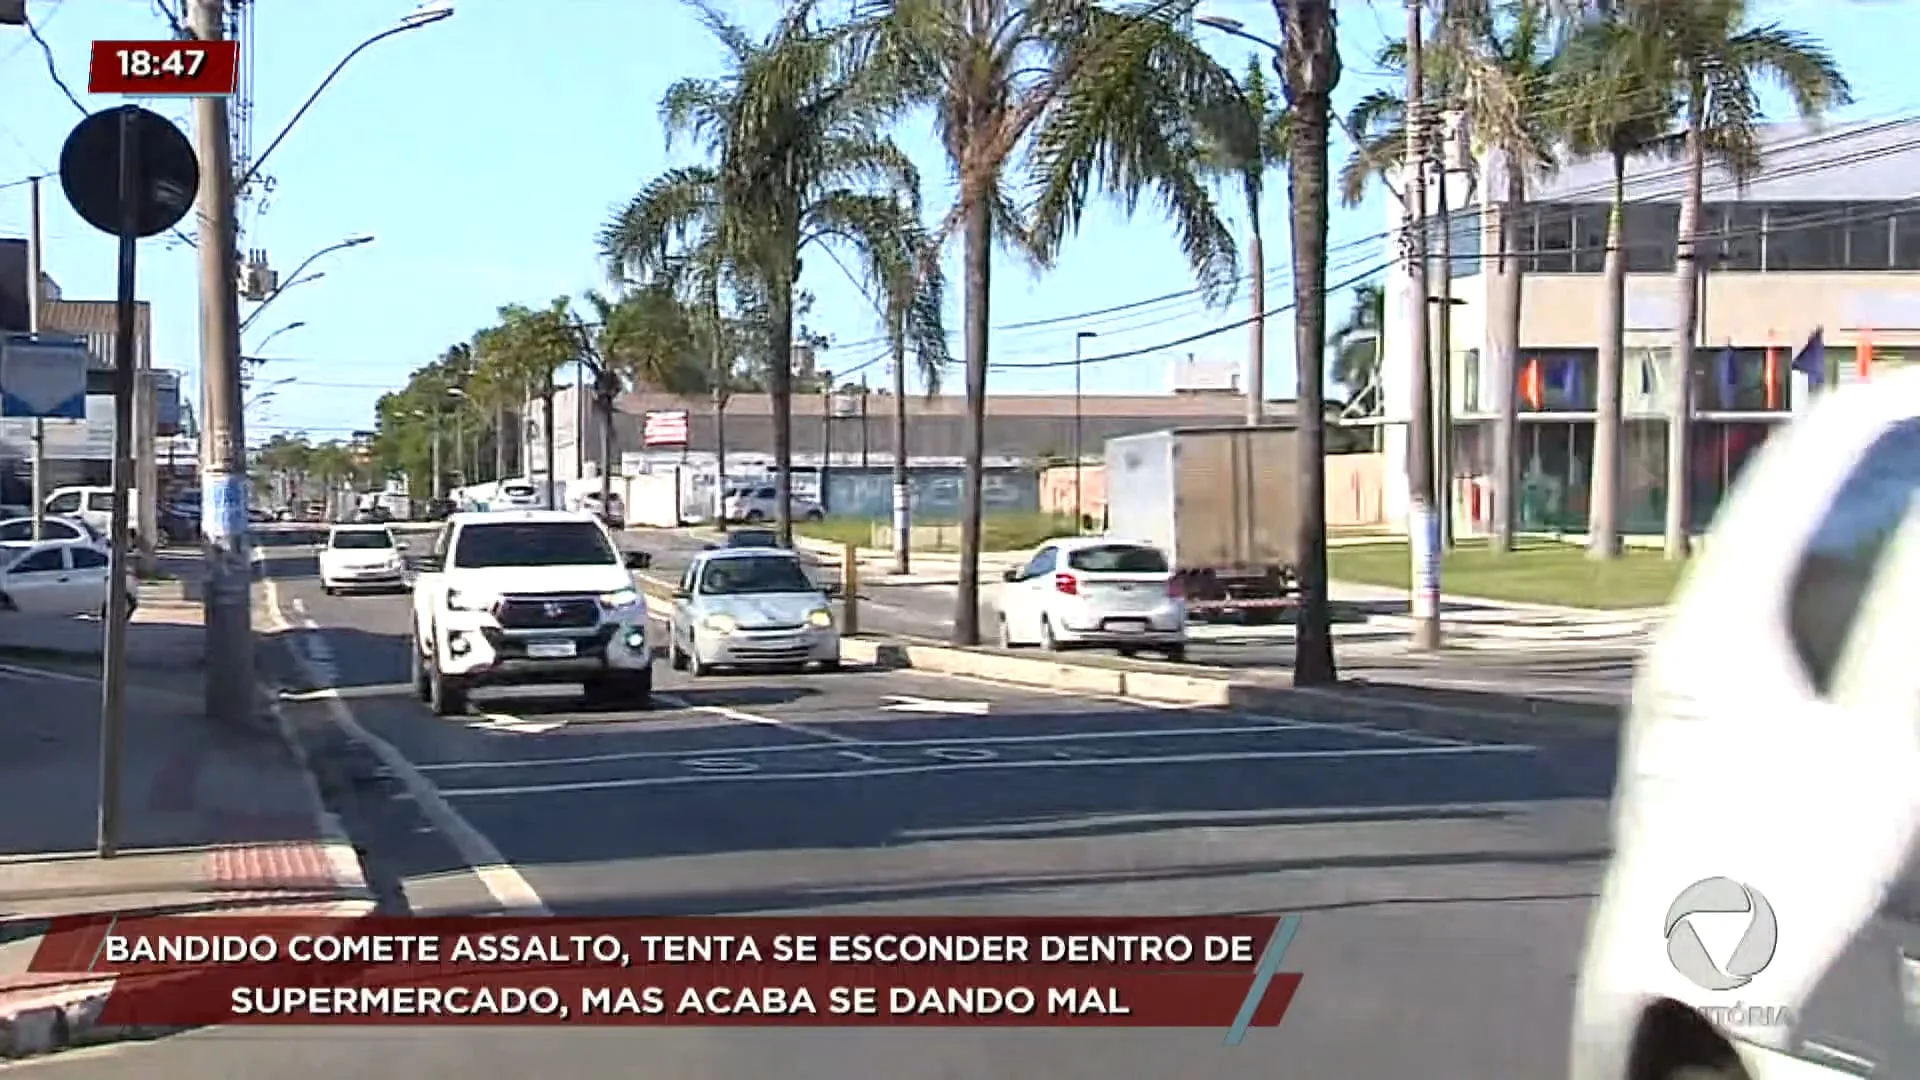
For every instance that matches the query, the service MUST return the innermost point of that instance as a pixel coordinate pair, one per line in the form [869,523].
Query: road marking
[870,744]
[743,717]
[350,693]
[52,676]
[903,703]
[516,725]
[969,766]
[502,880]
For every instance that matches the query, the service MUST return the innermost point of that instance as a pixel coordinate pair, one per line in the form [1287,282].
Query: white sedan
[1094,591]
[362,557]
[20,529]
[55,577]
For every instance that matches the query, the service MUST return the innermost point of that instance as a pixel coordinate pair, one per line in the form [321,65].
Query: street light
[295,279]
[285,329]
[1079,515]
[425,15]
[269,392]
[452,393]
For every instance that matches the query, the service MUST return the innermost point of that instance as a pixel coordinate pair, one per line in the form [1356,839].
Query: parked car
[614,513]
[362,558]
[1094,591]
[755,504]
[518,495]
[56,577]
[750,538]
[750,608]
[20,530]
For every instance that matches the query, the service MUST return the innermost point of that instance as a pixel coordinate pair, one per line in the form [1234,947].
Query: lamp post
[289,328]
[296,277]
[1079,512]
[432,416]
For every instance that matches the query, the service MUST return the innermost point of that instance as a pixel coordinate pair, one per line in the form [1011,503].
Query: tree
[1243,146]
[527,347]
[646,336]
[1355,343]
[1617,101]
[793,129]
[1716,60]
[1090,99]
[1309,71]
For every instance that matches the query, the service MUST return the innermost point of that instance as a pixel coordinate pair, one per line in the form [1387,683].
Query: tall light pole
[1423,532]
[1079,514]
[289,328]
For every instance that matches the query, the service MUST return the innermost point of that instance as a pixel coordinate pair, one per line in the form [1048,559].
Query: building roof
[1172,407]
[1869,161]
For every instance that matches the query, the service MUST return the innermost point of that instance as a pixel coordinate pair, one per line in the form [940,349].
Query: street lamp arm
[254,168]
[275,295]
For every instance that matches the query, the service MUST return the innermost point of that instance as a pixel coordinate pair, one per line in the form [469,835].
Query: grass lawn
[998,532]
[1537,572]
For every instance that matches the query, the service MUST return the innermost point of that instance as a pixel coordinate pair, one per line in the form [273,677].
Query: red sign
[189,68]
[665,428]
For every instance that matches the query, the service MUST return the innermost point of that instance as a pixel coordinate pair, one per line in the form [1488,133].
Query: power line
[53,68]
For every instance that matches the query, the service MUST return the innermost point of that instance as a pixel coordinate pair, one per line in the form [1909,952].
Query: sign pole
[114,660]
[34,256]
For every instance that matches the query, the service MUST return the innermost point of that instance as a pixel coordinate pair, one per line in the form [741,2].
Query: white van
[1761,915]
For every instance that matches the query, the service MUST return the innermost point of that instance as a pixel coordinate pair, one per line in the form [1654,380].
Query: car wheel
[417,670]
[446,693]
[676,659]
[1047,640]
[695,669]
[754,517]
[830,665]
[1177,654]
[1006,635]
[327,589]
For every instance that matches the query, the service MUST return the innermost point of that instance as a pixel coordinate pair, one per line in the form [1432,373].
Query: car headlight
[820,617]
[459,601]
[620,598]
[719,624]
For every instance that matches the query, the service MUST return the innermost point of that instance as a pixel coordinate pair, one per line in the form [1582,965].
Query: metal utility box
[1220,501]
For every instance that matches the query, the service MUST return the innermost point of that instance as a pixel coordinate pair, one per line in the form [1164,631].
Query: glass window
[1737,228]
[100,502]
[1906,240]
[543,543]
[88,559]
[362,539]
[1118,559]
[1653,231]
[1463,230]
[64,504]
[1847,547]
[1590,238]
[1042,563]
[1740,380]
[1558,380]
[759,575]
[1869,237]
[42,561]
[1470,391]
[1553,240]
[1805,236]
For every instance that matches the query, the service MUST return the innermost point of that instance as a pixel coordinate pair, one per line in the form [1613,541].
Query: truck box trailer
[1221,502]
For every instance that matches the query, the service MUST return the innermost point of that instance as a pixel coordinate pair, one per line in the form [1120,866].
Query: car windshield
[737,577]
[533,543]
[362,540]
[1118,559]
[753,538]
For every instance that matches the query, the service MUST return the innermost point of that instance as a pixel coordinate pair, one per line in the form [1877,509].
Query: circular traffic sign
[166,171]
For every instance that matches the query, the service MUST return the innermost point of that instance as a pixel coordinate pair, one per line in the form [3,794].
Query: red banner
[1012,972]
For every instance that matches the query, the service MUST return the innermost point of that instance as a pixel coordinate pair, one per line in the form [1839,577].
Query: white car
[362,557]
[758,503]
[1761,915]
[614,513]
[56,577]
[20,530]
[529,597]
[750,608]
[1094,591]
[518,495]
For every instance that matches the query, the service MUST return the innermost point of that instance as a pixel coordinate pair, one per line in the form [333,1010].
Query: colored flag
[1811,360]
[1863,354]
[1724,371]
[1772,374]
[1646,374]
[1530,388]
[1570,382]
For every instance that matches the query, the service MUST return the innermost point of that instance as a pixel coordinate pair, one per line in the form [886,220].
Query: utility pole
[1423,537]
[34,300]
[1257,343]
[223,464]
[1443,353]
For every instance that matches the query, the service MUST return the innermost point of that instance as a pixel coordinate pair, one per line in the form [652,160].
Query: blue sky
[483,153]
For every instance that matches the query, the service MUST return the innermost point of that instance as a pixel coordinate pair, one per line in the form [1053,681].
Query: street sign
[166,172]
[43,377]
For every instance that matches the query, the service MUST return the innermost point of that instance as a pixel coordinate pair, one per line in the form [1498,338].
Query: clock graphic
[179,68]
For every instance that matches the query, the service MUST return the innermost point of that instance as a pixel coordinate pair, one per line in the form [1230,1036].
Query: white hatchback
[1094,591]
[56,577]
[362,557]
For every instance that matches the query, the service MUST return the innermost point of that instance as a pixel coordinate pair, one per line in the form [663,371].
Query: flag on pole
[1863,355]
[1811,360]
[1727,377]
[1772,374]
[1530,388]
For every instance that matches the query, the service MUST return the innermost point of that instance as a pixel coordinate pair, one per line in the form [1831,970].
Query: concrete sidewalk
[214,819]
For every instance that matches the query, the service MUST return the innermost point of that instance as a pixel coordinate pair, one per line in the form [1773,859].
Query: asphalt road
[1588,670]
[1444,881]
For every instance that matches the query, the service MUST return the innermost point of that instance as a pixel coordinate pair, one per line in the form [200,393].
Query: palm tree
[1309,71]
[1716,59]
[525,350]
[794,128]
[646,336]
[1355,343]
[1616,100]
[1090,99]
[1244,146]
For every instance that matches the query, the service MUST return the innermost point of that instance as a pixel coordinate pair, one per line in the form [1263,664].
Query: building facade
[1825,240]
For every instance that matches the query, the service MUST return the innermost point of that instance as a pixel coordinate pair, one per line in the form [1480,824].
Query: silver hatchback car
[751,608]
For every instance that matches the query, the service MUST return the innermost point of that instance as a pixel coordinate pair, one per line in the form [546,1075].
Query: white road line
[350,693]
[969,766]
[502,880]
[52,676]
[743,717]
[870,744]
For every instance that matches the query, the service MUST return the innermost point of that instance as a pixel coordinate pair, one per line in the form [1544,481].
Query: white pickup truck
[529,597]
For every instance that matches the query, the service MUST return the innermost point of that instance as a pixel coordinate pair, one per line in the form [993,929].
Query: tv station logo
[177,68]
